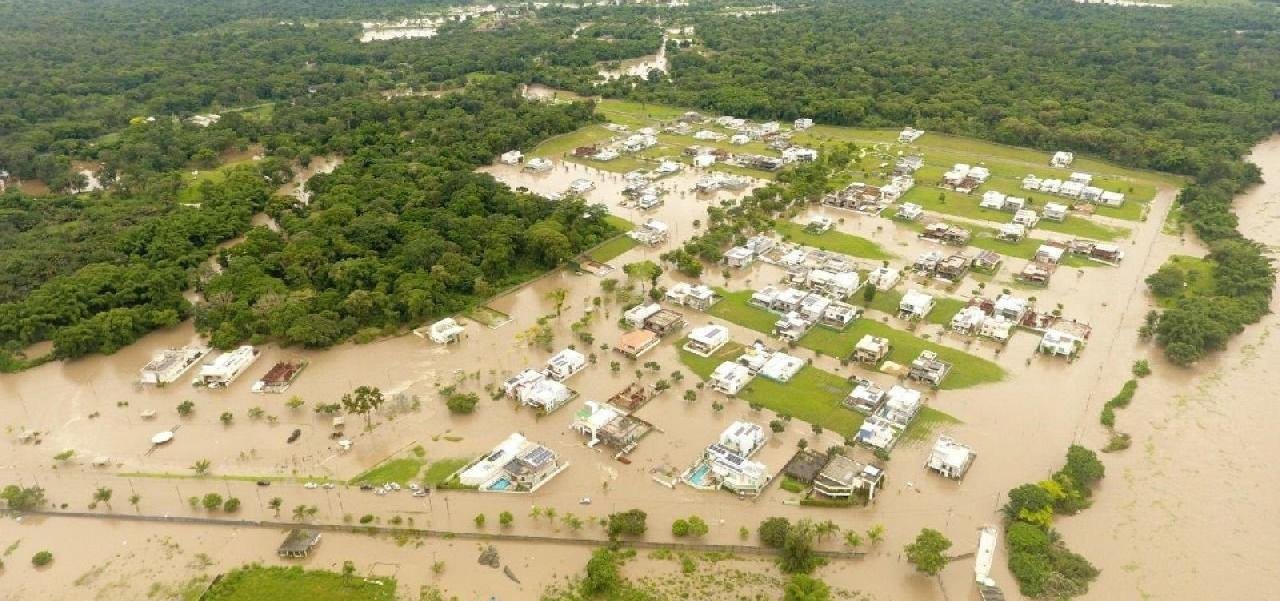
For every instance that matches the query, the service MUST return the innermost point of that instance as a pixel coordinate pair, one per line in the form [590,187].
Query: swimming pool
[699,475]
[500,484]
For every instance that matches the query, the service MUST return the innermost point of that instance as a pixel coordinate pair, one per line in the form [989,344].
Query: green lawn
[400,470]
[887,301]
[928,420]
[812,395]
[948,202]
[968,370]
[611,248]
[558,146]
[190,193]
[259,583]
[440,469]
[833,241]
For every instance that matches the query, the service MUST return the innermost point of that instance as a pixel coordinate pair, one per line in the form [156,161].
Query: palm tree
[201,466]
[102,495]
[875,534]
[557,297]
[535,512]
[299,513]
[275,504]
[825,528]
[134,499]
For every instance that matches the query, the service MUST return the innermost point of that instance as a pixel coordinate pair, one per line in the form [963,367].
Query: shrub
[231,505]
[773,531]
[41,559]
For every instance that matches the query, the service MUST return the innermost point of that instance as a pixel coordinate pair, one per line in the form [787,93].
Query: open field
[257,583]
[832,240]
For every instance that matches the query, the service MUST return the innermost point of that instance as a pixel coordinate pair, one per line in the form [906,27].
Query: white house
[910,211]
[792,326]
[1012,308]
[1062,159]
[802,124]
[1026,217]
[743,438]
[838,315]
[1091,194]
[909,135]
[781,367]
[865,397]
[1049,254]
[704,341]
[764,298]
[915,305]
[515,465]
[223,370]
[565,363]
[707,135]
[729,378]
[651,232]
[739,139]
[901,404]
[1054,212]
[606,155]
[812,307]
[581,186]
[839,285]
[1060,344]
[1031,182]
[996,328]
[980,174]
[635,316]
[950,458]
[1011,232]
[1071,189]
[739,257]
[797,153]
[1052,186]
[968,320]
[547,395]
[511,157]
[731,471]
[1111,199]
[884,278]
[511,386]
[667,167]
[169,365]
[992,199]
[1081,178]
[704,160]
[538,165]
[445,331]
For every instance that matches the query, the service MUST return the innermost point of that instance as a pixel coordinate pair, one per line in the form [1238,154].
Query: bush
[231,505]
[630,523]
[680,528]
[212,501]
[773,532]
[462,403]
[366,518]
[42,559]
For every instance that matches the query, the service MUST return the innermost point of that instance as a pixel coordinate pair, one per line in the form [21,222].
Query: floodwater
[1191,474]
[638,67]
[297,187]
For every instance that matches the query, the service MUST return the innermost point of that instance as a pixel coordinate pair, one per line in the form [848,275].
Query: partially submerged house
[280,376]
[298,544]
[664,322]
[882,429]
[699,297]
[564,364]
[169,365]
[636,342]
[805,465]
[842,478]
[953,268]
[871,350]
[726,463]
[781,367]
[704,341]
[950,458]
[652,232]
[927,367]
[946,234]
[545,395]
[538,165]
[224,370]
[515,465]
[1060,344]
[446,331]
[739,257]
[635,316]
[968,320]
[1010,307]
[730,378]
[603,423]
[511,157]
[1049,254]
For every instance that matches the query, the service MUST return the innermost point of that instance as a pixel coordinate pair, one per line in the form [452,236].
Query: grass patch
[734,308]
[441,469]
[611,248]
[487,316]
[812,395]
[887,301]
[1197,272]
[400,471]
[928,420]
[259,583]
[833,241]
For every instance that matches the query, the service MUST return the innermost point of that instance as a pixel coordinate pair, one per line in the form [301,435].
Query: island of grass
[967,371]
[610,249]
[832,240]
[260,583]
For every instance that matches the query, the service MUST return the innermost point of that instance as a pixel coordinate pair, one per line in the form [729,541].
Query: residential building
[839,315]
[1031,182]
[1011,232]
[224,370]
[901,404]
[987,260]
[169,365]
[704,341]
[996,328]
[652,232]
[871,349]
[842,477]
[946,234]
[729,378]
[909,135]
[743,438]
[764,298]
[298,544]
[909,211]
[1062,159]
[699,297]
[739,139]
[564,364]
[511,386]
[707,135]
[953,268]
[865,397]
[802,124]
[1111,199]
[606,424]
[1054,212]
[1083,179]
[804,465]
[581,186]
[515,465]
[1036,273]
[792,326]
[721,467]
[927,367]
[1051,255]
[884,278]
[445,331]
[545,395]
[606,155]
[840,285]
[1060,344]
[796,153]
[781,367]
[635,316]
[511,157]
[739,257]
[1010,307]
[538,165]
[1026,217]
[992,199]
[950,458]
[788,300]
[908,164]
[813,306]
[760,244]
[664,322]
[915,305]
[636,342]
[968,320]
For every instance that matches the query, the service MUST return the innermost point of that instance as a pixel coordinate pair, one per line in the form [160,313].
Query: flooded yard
[1200,440]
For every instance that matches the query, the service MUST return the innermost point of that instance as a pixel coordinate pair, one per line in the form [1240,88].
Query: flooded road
[1020,428]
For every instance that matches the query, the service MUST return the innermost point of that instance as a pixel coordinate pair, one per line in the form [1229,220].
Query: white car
[310,485]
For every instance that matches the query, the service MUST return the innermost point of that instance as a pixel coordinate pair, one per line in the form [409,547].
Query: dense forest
[1184,90]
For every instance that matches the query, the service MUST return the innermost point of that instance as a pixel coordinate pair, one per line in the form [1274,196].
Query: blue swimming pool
[500,484]
[699,475]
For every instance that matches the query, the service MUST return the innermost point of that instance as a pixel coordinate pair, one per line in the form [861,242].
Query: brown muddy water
[1197,471]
